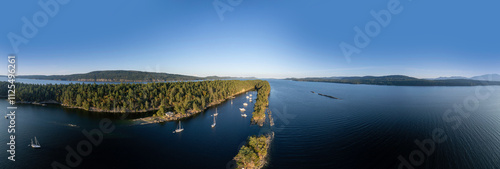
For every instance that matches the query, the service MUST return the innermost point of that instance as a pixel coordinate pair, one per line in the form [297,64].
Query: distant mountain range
[401,80]
[123,76]
[487,77]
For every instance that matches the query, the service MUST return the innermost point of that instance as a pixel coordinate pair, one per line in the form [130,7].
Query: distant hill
[489,77]
[452,77]
[399,80]
[116,76]
[227,77]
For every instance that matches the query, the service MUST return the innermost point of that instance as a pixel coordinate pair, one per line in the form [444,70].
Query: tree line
[252,155]
[263,91]
[127,97]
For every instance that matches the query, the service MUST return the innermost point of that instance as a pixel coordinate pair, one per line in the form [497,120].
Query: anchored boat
[36,144]
[179,128]
[213,125]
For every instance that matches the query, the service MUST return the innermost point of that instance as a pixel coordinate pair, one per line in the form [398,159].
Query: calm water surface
[368,128]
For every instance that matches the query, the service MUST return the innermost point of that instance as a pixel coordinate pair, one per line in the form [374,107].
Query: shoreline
[265,159]
[189,113]
[92,109]
[145,120]
[244,158]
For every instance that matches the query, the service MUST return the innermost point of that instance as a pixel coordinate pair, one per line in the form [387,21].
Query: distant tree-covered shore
[399,80]
[125,76]
[127,97]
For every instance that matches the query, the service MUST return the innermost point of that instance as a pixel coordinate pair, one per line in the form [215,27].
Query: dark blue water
[370,127]
[129,145]
[373,125]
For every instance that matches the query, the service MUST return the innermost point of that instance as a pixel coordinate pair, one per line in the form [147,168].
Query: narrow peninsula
[182,98]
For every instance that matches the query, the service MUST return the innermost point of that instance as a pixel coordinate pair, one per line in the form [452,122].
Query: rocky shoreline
[189,113]
[255,153]
[92,109]
[145,120]
[326,95]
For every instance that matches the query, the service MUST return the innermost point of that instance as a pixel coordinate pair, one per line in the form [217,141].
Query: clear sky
[277,39]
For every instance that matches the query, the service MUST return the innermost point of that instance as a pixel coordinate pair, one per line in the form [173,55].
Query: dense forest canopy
[127,97]
[262,102]
[399,80]
[253,154]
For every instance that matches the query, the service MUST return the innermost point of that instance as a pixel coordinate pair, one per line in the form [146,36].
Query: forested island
[253,154]
[399,80]
[179,97]
[259,114]
[123,76]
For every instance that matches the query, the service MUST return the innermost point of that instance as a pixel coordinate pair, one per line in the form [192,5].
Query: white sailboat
[245,104]
[179,128]
[250,95]
[216,114]
[242,109]
[243,115]
[213,125]
[36,144]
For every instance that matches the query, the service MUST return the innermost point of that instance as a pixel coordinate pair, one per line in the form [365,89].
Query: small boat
[242,109]
[248,97]
[6,117]
[243,115]
[213,125]
[216,114]
[245,104]
[250,100]
[36,144]
[179,128]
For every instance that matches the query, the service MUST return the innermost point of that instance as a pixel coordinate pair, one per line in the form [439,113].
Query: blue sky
[293,38]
